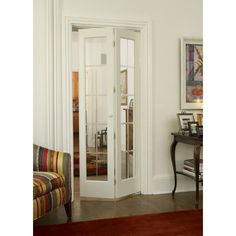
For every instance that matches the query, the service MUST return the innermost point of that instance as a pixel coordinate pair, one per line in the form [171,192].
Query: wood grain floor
[137,205]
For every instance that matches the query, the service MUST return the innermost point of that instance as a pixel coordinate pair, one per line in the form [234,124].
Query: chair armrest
[53,161]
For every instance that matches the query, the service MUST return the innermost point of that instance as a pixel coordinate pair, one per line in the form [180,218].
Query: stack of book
[189,168]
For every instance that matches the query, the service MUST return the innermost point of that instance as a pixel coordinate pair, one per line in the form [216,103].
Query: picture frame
[192,126]
[200,119]
[184,118]
[199,130]
[123,87]
[191,73]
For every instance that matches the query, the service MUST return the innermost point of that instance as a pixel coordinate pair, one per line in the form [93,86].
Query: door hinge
[114,43]
[114,135]
[114,90]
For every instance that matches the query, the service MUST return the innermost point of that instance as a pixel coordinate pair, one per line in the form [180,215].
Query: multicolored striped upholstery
[45,182]
[46,203]
[52,180]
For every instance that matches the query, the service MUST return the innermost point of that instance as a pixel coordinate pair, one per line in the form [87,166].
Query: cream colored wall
[171,20]
[41,130]
[48,118]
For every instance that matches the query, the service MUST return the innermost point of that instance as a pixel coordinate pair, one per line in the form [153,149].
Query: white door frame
[145,28]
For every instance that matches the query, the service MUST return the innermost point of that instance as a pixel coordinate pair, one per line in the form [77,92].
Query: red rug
[180,223]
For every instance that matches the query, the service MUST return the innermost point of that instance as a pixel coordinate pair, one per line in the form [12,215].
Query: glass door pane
[128,123]
[127,107]
[96,63]
[96,108]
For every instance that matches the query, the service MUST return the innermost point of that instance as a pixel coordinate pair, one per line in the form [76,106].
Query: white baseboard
[165,184]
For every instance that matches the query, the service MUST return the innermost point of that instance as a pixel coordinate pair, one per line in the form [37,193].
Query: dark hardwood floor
[137,205]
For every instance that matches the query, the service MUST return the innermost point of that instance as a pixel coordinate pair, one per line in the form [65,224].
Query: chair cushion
[45,182]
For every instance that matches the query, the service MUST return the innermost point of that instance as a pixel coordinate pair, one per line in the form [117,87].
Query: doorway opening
[72,23]
[106,95]
[75,89]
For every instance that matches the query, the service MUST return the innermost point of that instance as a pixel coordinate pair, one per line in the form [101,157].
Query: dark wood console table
[192,140]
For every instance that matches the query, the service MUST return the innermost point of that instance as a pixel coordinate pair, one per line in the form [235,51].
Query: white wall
[42,131]
[47,85]
[171,20]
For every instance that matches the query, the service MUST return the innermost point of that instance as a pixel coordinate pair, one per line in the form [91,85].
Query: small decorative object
[123,87]
[184,118]
[199,118]
[192,128]
[191,73]
[199,130]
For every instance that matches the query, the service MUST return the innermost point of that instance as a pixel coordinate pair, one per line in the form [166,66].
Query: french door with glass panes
[109,120]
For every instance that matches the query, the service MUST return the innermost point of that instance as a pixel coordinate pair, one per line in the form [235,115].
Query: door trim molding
[145,27]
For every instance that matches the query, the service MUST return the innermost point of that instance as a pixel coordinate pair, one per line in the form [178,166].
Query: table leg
[172,153]
[197,149]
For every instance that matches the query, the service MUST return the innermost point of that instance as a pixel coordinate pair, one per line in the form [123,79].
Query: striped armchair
[51,181]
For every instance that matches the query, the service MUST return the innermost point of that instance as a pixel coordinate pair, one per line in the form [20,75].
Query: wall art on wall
[191,73]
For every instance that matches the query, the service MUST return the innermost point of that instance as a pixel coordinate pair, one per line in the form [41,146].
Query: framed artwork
[191,73]
[192,126]
[199,130]
[199,118]
[123,87]
[184,119]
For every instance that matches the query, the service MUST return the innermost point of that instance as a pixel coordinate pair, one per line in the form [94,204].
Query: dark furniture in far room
[197,142]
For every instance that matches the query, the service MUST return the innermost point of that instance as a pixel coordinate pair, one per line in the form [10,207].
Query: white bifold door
[109,113]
